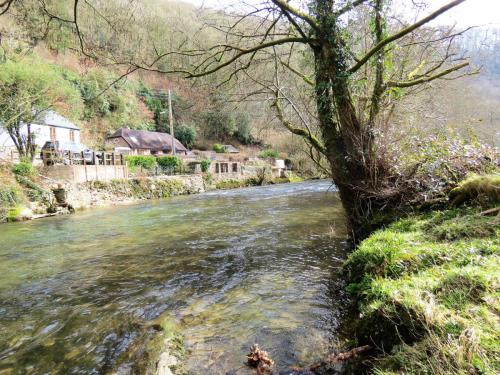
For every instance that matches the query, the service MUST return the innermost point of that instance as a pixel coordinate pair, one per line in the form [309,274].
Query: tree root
[491,212]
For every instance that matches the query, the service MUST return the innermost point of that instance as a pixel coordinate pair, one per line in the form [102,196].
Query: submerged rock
[165,362]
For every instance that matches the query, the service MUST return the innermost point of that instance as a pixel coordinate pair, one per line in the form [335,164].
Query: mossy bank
[427,288]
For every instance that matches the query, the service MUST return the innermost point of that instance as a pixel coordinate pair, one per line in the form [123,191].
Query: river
[231,267]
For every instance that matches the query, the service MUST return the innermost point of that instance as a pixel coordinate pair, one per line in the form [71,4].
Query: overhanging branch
[286,7]
[362,61]
[313,141]
[403,84]
[242,52]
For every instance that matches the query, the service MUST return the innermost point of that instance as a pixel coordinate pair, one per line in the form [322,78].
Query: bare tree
[359,59]
[348,119]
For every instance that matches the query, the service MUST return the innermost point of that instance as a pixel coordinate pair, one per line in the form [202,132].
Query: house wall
[42,135]
[112,143]
[75,174]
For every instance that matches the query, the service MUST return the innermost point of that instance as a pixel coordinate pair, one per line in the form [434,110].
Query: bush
[186,135]
[23,168]
[243,131]
[268,154]
[220,149]
[205,165]
[144,161]
[169,162]
[9,197]
[485,187]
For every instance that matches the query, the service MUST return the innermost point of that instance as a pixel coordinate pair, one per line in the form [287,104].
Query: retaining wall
[75,174]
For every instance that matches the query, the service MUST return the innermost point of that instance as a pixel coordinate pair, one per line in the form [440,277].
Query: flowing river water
[230,267]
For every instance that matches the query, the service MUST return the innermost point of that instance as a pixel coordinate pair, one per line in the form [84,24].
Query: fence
[75,174]
[8,154]
[50,157]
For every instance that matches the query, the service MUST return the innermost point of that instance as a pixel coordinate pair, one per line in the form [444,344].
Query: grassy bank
[235,184]
[20,190]
[427,288]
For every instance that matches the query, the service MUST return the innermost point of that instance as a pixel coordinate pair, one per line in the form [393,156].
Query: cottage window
[72,135]
[235,167]
[53,135]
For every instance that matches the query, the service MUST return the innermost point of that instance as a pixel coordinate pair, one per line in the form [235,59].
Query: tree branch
[298,131]
[422,80]
[305,78]
[242,52]
[283,5]
[348,7]
[4,6]
[402,33]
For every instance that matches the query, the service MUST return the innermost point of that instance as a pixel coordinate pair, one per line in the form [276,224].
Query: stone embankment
[120,191]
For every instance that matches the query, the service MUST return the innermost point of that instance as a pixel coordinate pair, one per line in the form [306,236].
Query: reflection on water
[233,268]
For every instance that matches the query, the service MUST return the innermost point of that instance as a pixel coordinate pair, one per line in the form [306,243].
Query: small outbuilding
[230,149]
[143,142]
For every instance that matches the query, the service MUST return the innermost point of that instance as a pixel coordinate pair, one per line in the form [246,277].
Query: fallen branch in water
[260,360]
[336,358]
[341,357]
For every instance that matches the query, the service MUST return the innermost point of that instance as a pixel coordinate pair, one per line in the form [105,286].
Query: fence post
[93,157]
[103,158]
[113,158]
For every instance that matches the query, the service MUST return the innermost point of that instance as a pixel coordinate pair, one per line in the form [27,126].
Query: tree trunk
[347,142]
[25,145]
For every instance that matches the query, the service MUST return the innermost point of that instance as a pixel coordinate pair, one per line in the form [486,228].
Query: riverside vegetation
[427,287]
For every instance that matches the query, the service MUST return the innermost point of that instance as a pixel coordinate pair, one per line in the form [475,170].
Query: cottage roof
[51,118]
[231,149]
[143,139]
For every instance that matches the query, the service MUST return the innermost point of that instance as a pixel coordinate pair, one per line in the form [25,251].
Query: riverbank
[427,288]
[26,195]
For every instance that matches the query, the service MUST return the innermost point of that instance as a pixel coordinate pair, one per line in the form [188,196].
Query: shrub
[144,161]
[186,135]
[243,131]
[268,154]
[9,197]
[230,184]
[220,149]
[205,165]
[476,186]
[23,168]
[169,162]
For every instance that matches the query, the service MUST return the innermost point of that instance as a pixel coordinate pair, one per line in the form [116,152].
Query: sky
[472,12]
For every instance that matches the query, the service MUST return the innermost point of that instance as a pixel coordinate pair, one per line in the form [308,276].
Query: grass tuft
[428,292]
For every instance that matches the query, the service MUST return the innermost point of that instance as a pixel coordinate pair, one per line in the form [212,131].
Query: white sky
[472,12]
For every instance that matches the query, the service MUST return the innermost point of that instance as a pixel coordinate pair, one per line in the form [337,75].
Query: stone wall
[75,174]
[122,191]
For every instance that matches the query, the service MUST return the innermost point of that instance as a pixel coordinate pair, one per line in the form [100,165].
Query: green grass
[427,289]
[11,195]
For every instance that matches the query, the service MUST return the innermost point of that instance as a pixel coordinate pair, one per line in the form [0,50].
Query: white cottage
[49,127]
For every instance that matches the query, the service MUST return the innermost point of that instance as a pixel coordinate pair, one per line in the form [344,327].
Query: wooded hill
[100,98]
[106,71]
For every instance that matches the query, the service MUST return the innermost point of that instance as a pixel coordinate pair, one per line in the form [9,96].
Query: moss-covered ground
[427,290]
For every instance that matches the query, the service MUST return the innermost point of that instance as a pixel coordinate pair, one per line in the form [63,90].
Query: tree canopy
[27,89]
